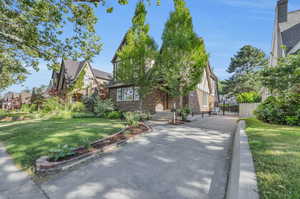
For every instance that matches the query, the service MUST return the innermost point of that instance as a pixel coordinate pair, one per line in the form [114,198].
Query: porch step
[162,116]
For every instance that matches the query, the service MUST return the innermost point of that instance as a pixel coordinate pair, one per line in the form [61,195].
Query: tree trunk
[174,113]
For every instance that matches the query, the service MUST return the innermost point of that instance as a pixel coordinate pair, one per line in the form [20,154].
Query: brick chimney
[282,11]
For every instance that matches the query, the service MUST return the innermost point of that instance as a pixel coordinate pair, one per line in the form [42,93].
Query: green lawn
[276,153]
[26,141]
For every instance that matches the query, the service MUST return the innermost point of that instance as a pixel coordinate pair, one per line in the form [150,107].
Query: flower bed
[45,164]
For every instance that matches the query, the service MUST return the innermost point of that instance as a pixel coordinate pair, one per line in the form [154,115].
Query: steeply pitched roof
[72,68]
[114,59]
[102,74]
[290,30]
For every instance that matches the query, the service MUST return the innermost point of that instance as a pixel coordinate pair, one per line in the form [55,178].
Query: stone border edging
[43,166]
[242,182]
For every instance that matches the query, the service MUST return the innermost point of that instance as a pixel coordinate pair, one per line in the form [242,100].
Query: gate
[229,109]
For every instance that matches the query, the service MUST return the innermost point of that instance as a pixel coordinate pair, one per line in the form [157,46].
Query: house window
[205,99]
[127,94]
[119,95]
[136,94]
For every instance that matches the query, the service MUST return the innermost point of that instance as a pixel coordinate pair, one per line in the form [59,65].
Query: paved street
[189,161]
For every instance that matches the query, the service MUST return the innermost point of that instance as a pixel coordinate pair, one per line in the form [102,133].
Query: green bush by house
[280,110]
[248,97]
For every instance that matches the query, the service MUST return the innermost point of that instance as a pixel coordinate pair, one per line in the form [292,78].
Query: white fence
[247,109]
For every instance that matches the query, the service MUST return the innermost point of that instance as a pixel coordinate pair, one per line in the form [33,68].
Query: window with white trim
[128,94]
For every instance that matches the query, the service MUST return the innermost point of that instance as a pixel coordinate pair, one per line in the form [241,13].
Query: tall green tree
[285,77]
[244,68]
[183,56]
[138,54]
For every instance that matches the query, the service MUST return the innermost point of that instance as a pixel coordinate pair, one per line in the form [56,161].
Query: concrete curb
[242,182]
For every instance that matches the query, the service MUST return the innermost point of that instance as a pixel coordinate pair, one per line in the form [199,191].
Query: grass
[26,141]
[276,153]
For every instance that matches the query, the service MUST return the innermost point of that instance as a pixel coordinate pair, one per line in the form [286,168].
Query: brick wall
[150,103]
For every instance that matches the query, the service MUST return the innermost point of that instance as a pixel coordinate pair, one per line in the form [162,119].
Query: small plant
[132,118]
[77,107]
[184,112]
[90,101]
[113,115]
[25,108]
[144,116]
[86,144]
[103,106]
[60,152]
[51,105]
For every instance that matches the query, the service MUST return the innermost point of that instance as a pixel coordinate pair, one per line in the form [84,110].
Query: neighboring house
[25,98]
[126,97]
[286,34]
[77,79]
[11,101]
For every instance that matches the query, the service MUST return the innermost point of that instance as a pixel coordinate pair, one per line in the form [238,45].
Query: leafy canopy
[285,77]
[45,30]
[31,31]
[183,56]
[138,54]
[244,67]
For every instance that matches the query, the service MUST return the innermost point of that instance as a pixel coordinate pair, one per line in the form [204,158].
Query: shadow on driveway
[188,161]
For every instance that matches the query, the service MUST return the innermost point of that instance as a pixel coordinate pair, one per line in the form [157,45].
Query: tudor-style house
[286,34]
[12,101]
[76,79]
[126,97]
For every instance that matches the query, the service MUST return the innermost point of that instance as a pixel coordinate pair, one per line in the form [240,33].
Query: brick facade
[159,101]
[152,103]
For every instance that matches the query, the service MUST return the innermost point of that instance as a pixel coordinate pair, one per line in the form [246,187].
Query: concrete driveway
[184,162]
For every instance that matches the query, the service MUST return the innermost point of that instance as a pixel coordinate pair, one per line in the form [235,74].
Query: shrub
[103,106]
[113,115]
[60,152]
[63,114]
[132,118]
[83,115]
[280,110]
[144,116]
[248,97]
[184,112]
[77,107]
[26,108]
[90,101]
[51,105]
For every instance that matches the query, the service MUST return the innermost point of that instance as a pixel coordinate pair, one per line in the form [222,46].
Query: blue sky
[225,25]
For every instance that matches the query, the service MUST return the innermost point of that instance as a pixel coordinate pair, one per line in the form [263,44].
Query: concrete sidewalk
[188,161]
[16,184]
